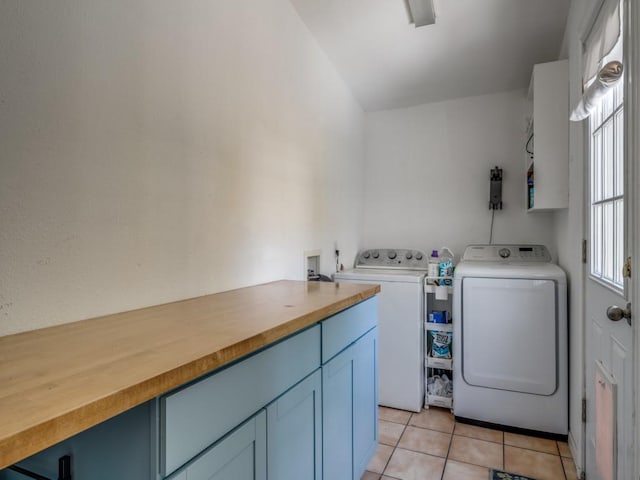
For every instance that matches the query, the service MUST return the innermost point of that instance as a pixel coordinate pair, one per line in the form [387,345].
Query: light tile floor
[431,445]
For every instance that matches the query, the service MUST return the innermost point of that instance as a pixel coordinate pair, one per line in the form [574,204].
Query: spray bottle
[433,268]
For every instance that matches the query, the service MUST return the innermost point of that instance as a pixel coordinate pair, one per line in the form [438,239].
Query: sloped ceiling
[476,46]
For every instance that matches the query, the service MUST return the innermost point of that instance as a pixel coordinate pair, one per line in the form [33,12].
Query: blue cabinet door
[365,401]
[337,417]
[241,455]
[350,410]
[294,432]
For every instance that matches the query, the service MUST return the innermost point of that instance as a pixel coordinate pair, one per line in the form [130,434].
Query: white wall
[157,150]
[427,175]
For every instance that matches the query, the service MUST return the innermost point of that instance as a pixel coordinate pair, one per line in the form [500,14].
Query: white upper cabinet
[548,170]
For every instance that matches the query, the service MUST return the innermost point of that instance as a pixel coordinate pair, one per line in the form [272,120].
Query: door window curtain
[602,59]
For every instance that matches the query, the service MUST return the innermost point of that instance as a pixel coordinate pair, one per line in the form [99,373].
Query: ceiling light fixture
[421,12]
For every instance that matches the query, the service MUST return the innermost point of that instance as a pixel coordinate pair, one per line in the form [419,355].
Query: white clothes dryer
[400,274]
[510,343]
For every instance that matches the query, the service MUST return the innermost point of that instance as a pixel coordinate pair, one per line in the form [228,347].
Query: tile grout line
[484,440]
[396,446]
[450,433]
[404,428]
[529,449]
[564,470]
[446,458]
[393,447]
[504,454]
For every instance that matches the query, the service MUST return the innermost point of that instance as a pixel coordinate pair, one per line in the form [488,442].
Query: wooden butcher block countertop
[58,381]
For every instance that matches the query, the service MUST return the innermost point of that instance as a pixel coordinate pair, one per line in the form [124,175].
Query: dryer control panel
[511,253]
[392,258]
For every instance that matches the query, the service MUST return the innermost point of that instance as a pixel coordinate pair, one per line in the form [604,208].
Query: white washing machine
[510,338]
[400,273]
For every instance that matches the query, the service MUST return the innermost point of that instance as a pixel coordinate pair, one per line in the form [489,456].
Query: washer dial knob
[366,254]
[392,254]
[418,256]
[375,254]
[409,256]
[504,252]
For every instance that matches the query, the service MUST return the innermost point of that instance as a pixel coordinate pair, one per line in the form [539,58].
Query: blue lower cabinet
[294,432]
[241,455]
[349,421]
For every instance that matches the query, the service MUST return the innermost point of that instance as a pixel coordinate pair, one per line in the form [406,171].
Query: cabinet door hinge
[626,269]
[584,251]
[584,410]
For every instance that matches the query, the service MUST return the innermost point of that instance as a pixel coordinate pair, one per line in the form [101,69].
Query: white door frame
[588,20]
[632,111]
[577,443]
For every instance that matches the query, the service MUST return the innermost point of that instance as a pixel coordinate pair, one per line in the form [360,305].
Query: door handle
[615,313]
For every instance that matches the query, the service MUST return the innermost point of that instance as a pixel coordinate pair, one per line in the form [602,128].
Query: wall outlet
[311,262]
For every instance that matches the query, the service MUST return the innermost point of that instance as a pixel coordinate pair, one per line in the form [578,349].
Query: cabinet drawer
[344,328]
[193,418]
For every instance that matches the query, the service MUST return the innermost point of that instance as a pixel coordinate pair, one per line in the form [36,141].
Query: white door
[609,347]
[609,350]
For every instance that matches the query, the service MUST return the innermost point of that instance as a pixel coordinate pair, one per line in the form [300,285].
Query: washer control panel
[392,258]
[511,253]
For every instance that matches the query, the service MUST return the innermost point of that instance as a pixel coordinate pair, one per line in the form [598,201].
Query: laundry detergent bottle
[446,265]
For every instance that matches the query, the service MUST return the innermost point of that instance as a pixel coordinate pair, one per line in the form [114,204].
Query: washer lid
[530,270]
[380,275]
